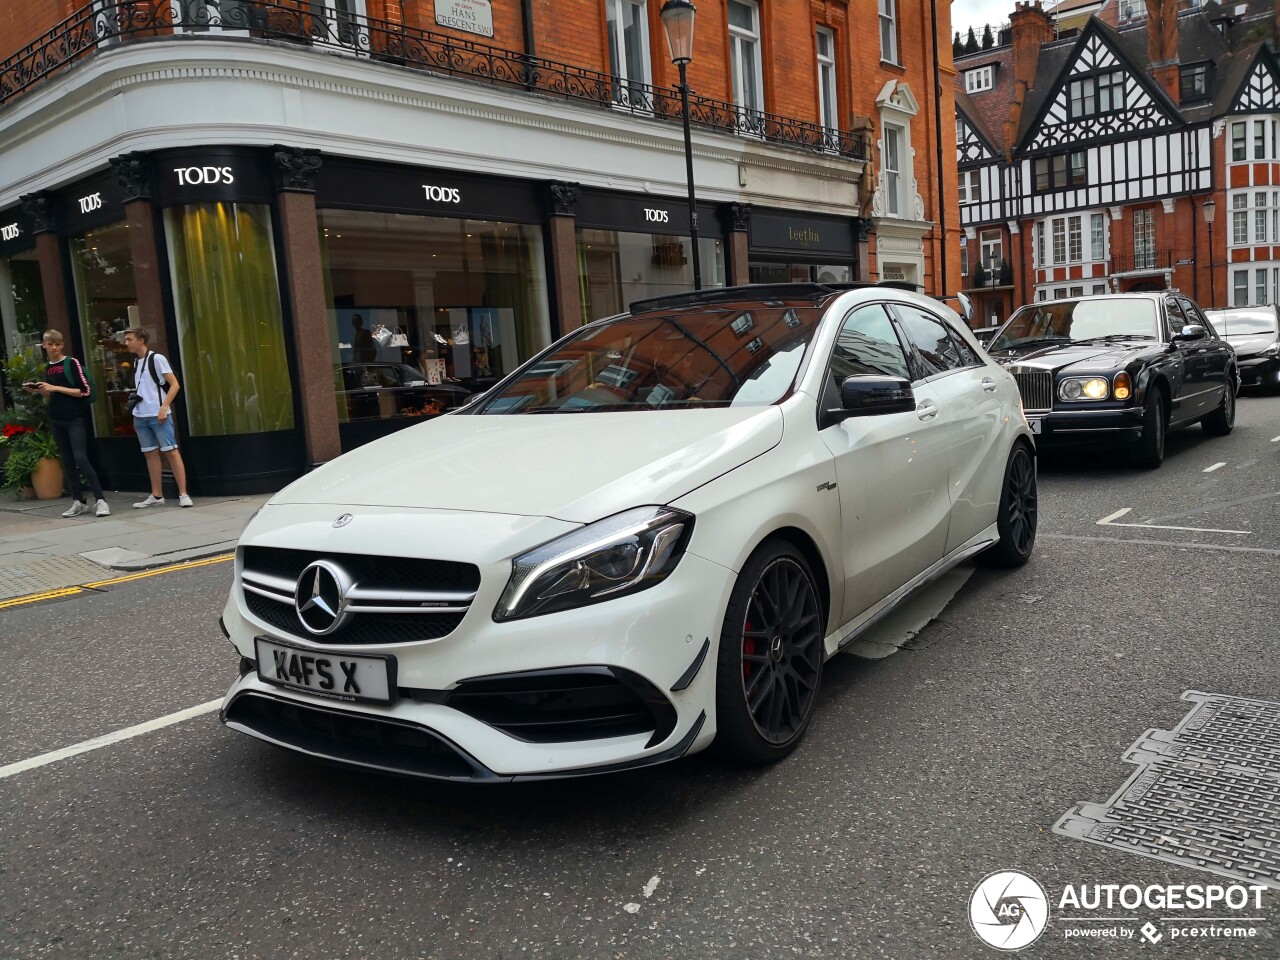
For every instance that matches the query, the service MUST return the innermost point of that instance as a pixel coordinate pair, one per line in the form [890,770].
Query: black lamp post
[1210,209]
[677,21]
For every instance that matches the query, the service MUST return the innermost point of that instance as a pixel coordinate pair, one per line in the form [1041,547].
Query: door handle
[927,410]
[988,385]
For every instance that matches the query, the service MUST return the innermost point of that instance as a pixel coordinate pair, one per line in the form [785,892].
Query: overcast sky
[975,13]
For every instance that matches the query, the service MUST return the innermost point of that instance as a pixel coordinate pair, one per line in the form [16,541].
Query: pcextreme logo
[1008,910]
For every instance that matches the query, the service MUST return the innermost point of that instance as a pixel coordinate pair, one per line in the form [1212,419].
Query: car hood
[1248,344]
[574,467]
[1092,356]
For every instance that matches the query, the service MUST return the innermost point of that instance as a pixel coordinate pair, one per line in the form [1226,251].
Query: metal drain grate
[1206,794]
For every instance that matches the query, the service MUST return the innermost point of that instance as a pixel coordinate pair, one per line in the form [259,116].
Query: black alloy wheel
[1223,420]
[771,655]
[1018,513]
[1148,452]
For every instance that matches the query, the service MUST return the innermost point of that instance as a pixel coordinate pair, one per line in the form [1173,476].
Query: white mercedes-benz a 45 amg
[648,538]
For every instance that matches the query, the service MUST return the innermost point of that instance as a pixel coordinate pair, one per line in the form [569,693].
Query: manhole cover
[1205,795]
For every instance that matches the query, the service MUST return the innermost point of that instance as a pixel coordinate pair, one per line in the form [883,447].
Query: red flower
[12,430]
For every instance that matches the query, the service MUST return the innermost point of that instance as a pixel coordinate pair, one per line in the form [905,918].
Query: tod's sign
[204,176]
[9,231]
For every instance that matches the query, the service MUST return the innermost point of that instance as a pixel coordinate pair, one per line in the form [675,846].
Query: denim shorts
[153,434]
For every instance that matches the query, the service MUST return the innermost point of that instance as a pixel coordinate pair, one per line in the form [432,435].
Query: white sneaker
[76,509]
[185,501]
[102,509]
[151,501]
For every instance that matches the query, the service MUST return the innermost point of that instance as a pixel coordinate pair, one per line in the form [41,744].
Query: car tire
[1148,452]
[1016,517]
[769,664]
[1221,421]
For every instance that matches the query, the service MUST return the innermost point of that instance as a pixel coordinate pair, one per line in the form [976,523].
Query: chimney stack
[1162,45]
[1029,28]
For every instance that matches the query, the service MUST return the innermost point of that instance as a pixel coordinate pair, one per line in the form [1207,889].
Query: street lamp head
[1210,209]
[677,21]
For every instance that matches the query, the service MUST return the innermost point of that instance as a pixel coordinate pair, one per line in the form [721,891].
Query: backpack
[69,363]
[155,377]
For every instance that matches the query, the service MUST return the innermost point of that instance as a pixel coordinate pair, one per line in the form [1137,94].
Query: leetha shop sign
[471,16]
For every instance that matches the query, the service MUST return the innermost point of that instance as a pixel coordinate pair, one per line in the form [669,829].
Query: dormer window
[1101,94]
[1194,81]
[977,80]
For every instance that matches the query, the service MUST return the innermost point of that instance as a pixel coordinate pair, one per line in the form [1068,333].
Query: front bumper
[1259,372]
[616,685]
[1063,427]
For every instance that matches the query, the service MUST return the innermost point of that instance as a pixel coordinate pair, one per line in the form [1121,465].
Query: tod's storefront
[311,303]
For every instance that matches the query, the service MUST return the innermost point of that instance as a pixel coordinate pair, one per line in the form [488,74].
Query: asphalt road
[923,772]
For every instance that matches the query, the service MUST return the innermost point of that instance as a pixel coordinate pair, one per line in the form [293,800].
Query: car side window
[1176,318]
[933,343]
[867,344]
[1195,315]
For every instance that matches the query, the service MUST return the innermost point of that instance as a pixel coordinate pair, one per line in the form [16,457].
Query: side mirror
[1192,331]
[870,395]
[966,306]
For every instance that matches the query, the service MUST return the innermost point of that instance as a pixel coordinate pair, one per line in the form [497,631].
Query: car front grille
[1036,389]
[391,599]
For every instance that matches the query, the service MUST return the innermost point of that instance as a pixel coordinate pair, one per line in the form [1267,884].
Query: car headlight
[1089,388]
[1273,350]
[622,554]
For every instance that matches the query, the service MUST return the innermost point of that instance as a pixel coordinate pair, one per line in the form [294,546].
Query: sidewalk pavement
[40,551]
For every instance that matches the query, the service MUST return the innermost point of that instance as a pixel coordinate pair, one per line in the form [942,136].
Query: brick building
[341,216]
[1094,150]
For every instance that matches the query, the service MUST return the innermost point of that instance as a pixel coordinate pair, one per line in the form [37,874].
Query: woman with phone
[66,388]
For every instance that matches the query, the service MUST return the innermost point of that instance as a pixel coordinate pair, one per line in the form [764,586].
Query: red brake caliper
[748,648]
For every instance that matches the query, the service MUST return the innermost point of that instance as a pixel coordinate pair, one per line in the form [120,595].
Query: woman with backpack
[66,387]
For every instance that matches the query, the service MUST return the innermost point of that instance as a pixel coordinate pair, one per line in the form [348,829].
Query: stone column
[295,172]
[133,172]
[739,242]
[862,238]
[562,234]
[39,209]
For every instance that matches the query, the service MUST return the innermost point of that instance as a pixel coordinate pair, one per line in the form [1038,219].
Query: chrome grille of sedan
[1036,388]
[338,598]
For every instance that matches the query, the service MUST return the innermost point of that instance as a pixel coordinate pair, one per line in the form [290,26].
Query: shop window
[22,312]
[425,312]
[102,268]
[889,30]
[799,273]
[235,369]
[615,268]
[629,61]
[746,65]
[828,111]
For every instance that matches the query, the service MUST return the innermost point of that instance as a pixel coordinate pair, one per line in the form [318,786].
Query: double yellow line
[61,592]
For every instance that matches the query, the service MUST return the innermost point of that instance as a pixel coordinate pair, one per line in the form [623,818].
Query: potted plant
[33,462]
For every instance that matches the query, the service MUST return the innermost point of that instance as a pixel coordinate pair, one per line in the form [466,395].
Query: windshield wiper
[1027,344]
[1117,336]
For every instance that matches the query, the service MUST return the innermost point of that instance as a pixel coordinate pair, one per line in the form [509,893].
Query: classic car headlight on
[622,554]
[1121,386]
[1091,388]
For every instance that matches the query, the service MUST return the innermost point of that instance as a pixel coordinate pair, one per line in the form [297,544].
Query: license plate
[1035,426]
[340,676]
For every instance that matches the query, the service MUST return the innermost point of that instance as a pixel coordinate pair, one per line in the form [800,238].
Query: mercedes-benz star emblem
[321,598]
[343,520]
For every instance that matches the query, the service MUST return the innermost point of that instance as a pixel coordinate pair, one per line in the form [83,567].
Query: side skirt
[850,631]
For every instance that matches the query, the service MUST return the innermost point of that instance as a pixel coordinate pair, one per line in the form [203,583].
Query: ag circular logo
[1008,910]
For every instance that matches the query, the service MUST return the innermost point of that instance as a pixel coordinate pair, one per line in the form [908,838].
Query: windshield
[1234,324]
[1076,320]
[713,356]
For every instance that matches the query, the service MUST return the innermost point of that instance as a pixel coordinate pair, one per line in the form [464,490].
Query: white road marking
[1110,521]
[107,739]
[1275,439]
[1216,466]
[1180,545]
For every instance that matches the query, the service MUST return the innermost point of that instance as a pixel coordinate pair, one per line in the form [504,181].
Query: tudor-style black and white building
[1094,162]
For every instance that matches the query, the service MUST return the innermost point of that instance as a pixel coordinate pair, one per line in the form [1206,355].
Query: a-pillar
[563,242]
[39,209]
[738,231]
[133,172]
[295,173]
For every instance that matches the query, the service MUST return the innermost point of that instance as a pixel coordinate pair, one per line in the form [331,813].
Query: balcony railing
[109,22]
[1142,260]
[995,274]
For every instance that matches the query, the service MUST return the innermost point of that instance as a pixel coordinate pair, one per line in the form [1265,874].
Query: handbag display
[398,338]
[381,335]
